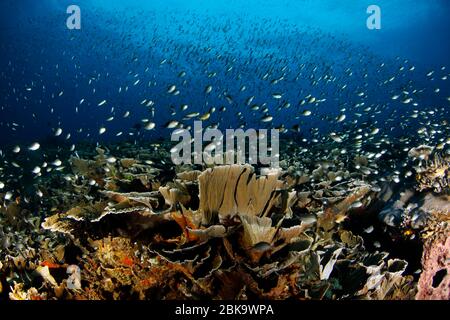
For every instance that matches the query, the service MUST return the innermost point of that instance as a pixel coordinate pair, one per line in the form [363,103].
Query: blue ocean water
[47,69]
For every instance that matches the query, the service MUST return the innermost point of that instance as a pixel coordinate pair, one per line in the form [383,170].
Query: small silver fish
[35,146]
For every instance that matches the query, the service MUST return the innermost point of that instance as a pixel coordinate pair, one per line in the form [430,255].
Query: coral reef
[124,228]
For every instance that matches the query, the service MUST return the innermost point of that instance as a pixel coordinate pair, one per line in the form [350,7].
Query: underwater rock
[434,282]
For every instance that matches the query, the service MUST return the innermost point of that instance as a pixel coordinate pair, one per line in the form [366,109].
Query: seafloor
[122,222]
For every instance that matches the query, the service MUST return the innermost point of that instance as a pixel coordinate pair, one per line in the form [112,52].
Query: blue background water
[135,36]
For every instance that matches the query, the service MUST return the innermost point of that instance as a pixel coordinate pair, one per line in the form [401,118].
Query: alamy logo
[74,20]
[236,151]
[374,20]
